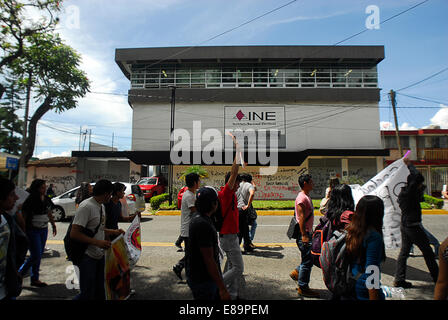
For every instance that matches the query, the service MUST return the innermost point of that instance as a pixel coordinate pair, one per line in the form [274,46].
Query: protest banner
[117,271]
[387,185]
[133,241]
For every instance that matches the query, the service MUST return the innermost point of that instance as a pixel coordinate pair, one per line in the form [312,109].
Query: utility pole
[21,178]
[393,101]
[170,173]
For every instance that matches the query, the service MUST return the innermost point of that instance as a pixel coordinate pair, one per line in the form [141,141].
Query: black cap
[206,194]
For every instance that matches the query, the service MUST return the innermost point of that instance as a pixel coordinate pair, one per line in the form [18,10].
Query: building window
[251,76]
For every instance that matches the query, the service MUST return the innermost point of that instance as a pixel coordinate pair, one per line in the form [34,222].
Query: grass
[271,205]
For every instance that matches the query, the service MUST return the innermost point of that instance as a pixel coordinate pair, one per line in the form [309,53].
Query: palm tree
[195,169]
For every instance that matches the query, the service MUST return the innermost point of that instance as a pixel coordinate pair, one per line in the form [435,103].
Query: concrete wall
[92,170]
[63,178]
[307,126]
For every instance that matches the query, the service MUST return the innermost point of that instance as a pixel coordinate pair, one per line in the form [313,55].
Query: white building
[322,100]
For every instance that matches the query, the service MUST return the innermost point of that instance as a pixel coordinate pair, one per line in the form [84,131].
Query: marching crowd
[214,224]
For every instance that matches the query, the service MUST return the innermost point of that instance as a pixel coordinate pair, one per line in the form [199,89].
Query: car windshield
[148,181]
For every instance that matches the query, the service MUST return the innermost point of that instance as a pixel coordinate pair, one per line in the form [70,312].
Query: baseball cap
[206,193]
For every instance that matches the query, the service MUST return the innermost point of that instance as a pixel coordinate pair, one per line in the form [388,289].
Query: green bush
[438,203]
[425,205]
[158,200]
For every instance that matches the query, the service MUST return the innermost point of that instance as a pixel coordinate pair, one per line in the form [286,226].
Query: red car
[152,186]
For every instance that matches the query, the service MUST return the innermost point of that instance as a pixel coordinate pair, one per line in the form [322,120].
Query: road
[266,271]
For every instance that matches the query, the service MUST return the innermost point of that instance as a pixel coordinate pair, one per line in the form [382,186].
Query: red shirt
[229,207]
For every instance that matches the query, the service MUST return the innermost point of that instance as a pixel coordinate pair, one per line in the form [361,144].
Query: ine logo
[256,116]
[373,20]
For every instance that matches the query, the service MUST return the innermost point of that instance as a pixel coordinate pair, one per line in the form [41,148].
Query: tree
[49,69]
[11,126]
[195,169]
[16,28]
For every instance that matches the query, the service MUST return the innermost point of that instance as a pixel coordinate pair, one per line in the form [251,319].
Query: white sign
[387,185]
[133,241]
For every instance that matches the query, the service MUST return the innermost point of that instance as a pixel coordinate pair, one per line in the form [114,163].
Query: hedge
[156,201]
[438,203]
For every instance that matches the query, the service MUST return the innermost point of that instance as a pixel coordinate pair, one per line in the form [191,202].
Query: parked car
[65,203]
[152,186]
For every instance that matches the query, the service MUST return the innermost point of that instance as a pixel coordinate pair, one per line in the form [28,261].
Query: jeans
[304,269]
[181,262]
[91,279]
[230,245]
[244,227]
[204,291]
[415,235]
[432,240]
[252,229]
[37,239]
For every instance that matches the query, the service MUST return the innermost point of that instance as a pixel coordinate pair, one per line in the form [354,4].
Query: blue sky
[416,46]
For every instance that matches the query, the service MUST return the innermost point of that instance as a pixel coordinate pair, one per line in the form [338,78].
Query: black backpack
[75,249]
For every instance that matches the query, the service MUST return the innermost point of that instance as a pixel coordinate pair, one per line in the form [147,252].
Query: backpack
[322,233]
[74,249]
[336,266]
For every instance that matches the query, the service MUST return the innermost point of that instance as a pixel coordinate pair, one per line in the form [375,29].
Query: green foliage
[158,200]
[10,123]
[167,206]
[438,203]
[425,205]
[194,169]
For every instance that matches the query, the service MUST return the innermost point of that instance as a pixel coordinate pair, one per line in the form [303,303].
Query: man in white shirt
[91,215]
[187,210]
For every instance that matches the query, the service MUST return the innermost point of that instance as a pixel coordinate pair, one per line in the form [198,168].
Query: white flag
[133,241]
[387,185]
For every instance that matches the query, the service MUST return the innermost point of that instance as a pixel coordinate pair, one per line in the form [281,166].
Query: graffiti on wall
[60,183]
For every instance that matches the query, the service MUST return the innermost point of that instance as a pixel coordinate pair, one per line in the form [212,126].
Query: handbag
[294,227]
[75,249]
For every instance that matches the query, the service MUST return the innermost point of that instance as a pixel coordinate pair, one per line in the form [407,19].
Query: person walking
[91,215]
[245,196]
[412,231]
[10,279]
[113,209]
[36,211]
[365,246]
[441,289]
[84,192]
[340,207]
[228,234]
[202,267]
[187,208]
[324,203]
[50,191]
[304,214]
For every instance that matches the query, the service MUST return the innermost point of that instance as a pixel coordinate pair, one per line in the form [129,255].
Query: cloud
[441,117]
[386,125]
[305,18]
[407,126]
[48,154]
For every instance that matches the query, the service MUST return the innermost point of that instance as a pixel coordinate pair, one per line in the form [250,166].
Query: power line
[423,80]
[423,99]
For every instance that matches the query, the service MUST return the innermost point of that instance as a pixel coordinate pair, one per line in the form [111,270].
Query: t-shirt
[113,213]
[243,193]
[229,210]
[88,215]
[5,234]
[188,201]
[305,200]
[202,235]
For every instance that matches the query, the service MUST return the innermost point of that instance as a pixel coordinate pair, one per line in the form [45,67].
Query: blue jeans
[91,279]
[37,239]
[304,269]
[252,229]
[204,291]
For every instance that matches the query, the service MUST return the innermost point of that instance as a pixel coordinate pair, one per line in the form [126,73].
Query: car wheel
[58,213]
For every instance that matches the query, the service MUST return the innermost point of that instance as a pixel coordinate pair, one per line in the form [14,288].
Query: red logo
[240,115]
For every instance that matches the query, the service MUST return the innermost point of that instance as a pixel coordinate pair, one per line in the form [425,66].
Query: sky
[415,43]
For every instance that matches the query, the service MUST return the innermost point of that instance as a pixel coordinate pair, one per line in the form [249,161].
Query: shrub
[158,200]
[425,205]
[438,203]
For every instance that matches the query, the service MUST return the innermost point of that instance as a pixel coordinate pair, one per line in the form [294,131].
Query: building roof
[418,132]
[54,162]
[370,55]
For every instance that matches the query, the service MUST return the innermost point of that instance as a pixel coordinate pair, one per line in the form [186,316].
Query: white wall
[307,126]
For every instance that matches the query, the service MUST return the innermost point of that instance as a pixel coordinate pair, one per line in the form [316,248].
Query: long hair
[369,214]
[34,188]
[341,199]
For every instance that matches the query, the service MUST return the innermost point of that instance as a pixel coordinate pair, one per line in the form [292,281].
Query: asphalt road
[266,273]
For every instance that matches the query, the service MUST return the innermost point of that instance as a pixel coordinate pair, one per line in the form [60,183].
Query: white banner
[133,241]
[387,185]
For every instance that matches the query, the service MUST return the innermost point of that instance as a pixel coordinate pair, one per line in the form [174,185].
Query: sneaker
[248,249]
[403,284]
[294,275]
[178,246]
[307,292]
[38,284]
[178,271]
[252,245]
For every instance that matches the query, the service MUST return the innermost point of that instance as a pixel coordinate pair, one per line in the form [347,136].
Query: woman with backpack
[365,247]
[340,207]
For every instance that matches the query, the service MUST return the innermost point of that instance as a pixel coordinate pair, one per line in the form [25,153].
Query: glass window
[308,77]
[323,77]
[244,77]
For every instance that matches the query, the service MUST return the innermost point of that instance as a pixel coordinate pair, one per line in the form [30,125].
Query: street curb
[280,212]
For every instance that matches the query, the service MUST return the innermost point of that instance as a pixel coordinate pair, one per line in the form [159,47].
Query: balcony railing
[433,154]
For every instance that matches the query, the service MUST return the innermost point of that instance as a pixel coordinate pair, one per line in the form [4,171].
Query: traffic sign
[12,163]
